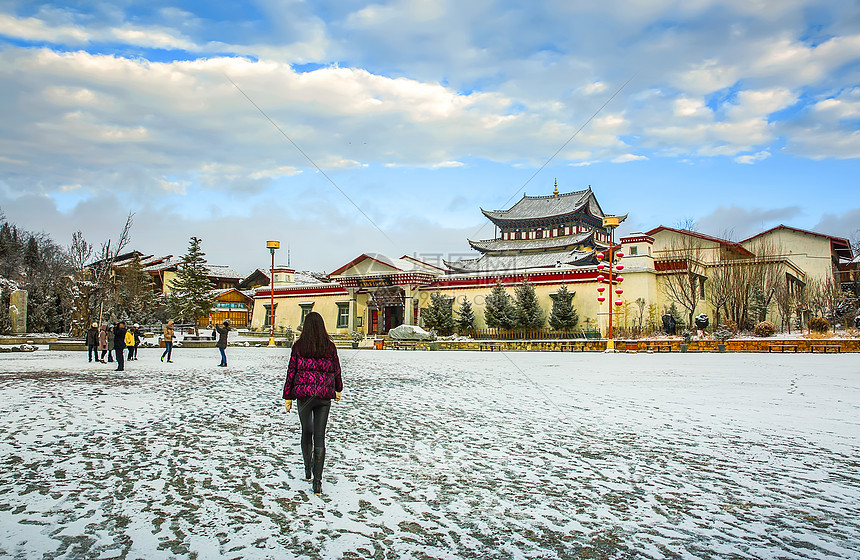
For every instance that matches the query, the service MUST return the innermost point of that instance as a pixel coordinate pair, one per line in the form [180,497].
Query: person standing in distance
[222,341]
[103,341]
[119,345]
[313,378]
[93,342]
[168,341]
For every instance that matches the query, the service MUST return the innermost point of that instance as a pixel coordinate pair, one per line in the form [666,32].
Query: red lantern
[619,278]
[618,302]
[599,256]
[619,266]
[601,266]
[619,291]
[601,299]
[619,254]
[601,288]
[600,278]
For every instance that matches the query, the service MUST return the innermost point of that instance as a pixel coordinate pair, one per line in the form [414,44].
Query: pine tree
[563,316]
[528,311]
[465,318]
[499,311]
[439,315]
[190,297]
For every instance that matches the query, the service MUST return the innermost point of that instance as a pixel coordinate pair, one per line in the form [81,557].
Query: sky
[345,127]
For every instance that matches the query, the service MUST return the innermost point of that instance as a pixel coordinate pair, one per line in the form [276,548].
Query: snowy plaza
[433,455]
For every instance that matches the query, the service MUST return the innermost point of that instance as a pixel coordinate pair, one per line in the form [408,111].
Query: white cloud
[752,158]
[627,158]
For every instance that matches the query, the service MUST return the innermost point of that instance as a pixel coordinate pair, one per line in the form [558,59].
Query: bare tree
[103,272]
[685,272]
[80,252]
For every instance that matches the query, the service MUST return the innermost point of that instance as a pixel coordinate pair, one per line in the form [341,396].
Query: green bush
[764,329]
[818,325]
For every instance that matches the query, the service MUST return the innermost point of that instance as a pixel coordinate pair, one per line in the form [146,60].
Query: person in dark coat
[119,345]
[222,331]
[313,378]
[93,342]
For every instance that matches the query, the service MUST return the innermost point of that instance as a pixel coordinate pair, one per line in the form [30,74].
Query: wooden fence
[533,334]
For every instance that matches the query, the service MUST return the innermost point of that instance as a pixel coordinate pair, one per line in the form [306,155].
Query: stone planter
[683,347]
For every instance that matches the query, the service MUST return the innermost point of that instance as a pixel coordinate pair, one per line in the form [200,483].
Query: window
[306,308]
[268,308]
[342,315]
[634,250]
[702,287]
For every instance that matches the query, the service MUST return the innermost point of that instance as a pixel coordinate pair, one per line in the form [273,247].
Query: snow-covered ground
[434,455]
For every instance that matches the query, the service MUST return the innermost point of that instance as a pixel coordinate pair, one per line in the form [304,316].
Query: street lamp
[272,245]
[610,223]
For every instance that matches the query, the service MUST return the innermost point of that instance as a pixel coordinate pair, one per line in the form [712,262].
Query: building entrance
[385,309]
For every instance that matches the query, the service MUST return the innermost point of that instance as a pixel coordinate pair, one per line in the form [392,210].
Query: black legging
[313,414]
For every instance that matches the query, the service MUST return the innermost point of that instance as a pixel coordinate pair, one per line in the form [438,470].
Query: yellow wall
[811,253]
[288,313]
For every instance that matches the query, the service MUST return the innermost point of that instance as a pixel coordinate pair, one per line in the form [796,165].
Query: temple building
[540,232]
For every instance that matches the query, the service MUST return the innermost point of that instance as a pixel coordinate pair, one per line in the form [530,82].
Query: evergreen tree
[439,315]
[465,318]
[499,311]
[680,323]
[528,311]
[190,297]
[563,316]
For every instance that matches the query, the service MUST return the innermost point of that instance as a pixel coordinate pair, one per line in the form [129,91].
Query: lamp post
[610,223]
[272,245]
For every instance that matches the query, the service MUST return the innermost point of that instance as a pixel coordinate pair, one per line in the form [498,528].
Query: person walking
[222,331]
[93,342]
[119,345]
[168,341]
[314,379]
[103,341]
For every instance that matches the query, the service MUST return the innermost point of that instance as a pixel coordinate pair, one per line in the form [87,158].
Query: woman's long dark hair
[314,341]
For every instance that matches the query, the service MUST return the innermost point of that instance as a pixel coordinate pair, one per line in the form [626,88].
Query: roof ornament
[555,190]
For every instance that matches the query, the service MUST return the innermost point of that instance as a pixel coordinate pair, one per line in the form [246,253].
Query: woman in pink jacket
[313,378]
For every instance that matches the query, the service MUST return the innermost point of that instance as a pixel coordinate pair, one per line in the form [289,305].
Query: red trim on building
[363,256]
[310,290]
[743,250]
[667,265]
[638,239]
[588,275]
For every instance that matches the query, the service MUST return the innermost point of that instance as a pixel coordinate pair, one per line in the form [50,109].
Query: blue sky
[740,115]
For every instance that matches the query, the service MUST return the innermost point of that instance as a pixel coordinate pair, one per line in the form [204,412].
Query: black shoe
[319,461]
[308,458]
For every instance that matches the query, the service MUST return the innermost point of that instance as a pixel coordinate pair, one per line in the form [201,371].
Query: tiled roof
[169,263]
[223,271]
[530,244]
[494,263]
[536,207]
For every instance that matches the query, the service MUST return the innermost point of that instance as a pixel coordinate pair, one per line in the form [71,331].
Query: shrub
[818,325]
[765,329]
[723,333]
[730,326]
